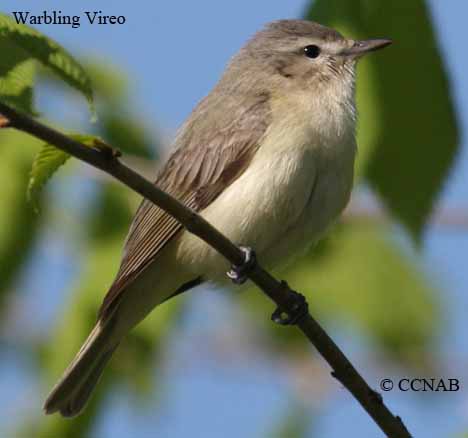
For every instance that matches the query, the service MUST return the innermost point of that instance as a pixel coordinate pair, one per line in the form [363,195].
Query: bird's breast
[315,154]
[296,184]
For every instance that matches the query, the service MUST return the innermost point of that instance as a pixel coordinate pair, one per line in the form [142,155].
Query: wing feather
[204,162]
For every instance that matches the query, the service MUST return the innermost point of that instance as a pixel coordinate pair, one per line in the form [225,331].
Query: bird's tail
[72,391]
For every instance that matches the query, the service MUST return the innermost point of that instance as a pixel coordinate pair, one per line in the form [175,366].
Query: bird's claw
[238,273]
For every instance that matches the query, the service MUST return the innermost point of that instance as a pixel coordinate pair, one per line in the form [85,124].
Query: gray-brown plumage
[267,158]
[216,143]
[204,162]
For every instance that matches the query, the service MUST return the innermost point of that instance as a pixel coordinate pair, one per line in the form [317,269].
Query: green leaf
[408,136]
[362,280]
[118,125]
[46,163]
[19,225]
[111,202]
[109,80]
[49,53]
[48,160]
[127,133]
[16,77]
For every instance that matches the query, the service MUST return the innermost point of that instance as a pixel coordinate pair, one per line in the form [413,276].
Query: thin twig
[277,291]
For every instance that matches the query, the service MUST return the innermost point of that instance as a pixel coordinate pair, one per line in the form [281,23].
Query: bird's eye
[312,51]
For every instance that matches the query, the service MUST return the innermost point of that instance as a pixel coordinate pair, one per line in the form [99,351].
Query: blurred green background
[388,282]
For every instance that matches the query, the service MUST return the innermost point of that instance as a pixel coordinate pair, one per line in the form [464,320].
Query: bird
[267,157]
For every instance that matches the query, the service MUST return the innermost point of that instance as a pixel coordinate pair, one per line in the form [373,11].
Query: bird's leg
[238,273]
[294,309]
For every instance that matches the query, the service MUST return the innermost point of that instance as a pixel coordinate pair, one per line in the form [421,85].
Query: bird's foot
[294,311]
[238,273]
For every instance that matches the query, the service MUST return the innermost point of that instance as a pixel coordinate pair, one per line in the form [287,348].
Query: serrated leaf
[49,53]
[47,162]
[16,77]
[407,129]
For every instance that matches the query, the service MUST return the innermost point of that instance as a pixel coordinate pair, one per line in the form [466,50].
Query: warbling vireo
[267,158]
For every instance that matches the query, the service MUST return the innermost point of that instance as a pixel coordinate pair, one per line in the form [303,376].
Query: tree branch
[107,160]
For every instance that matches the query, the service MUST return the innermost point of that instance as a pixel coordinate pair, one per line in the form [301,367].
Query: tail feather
[72,391]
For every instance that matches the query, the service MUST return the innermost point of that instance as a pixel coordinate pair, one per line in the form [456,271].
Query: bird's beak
[360,48]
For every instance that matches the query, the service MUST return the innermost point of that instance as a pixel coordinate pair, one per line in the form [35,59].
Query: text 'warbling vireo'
[267,158]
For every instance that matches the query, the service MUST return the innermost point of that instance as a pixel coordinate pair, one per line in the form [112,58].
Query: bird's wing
[205,161]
